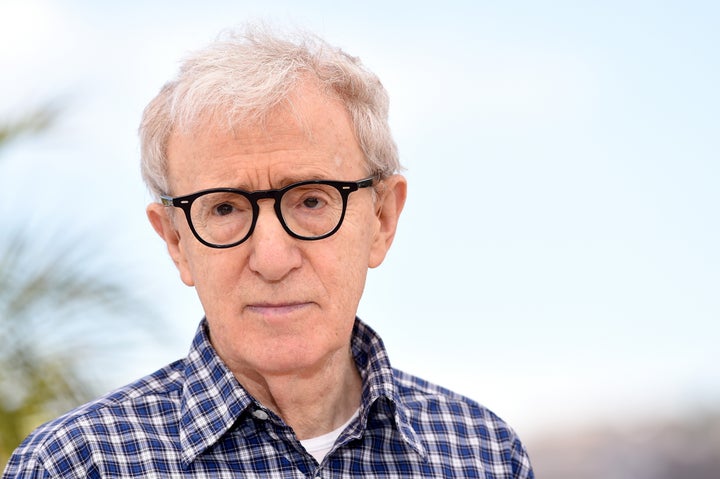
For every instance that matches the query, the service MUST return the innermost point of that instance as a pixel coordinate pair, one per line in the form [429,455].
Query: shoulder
[436,404]
[447,420]
[417,393]
[73,438]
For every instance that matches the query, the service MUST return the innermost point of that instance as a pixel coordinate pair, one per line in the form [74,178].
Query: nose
[274,253]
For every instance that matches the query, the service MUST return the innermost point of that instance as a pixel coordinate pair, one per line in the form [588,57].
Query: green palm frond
[60,310]
[31,123]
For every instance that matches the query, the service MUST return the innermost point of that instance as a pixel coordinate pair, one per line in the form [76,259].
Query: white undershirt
[319,446]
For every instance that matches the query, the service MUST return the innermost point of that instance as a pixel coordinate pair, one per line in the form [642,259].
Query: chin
[293,358]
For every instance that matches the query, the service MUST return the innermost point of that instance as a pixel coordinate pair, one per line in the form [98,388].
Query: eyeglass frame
[344,188]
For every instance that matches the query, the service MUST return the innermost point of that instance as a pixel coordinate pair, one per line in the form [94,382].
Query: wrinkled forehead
[306,112]
[309,131]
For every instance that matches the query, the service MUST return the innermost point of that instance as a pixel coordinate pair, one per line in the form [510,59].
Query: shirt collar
[212,398]
[379,384]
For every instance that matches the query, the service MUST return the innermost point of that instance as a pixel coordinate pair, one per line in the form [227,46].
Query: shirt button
[260,414]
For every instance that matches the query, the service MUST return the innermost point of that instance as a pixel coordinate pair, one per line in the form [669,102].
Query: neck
[312,402]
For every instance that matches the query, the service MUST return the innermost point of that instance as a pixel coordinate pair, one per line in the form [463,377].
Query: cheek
[214,274]
[345,258]
[358,230]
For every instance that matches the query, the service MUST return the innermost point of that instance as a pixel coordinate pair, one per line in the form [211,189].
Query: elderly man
[277,187]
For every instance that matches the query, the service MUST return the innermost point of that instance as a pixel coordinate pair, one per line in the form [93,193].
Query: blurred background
[558,259]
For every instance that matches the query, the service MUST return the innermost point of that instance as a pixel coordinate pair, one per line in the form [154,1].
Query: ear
[163,225]
[390,202]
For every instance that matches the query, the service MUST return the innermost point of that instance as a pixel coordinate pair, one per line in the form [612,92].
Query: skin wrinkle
[266,132]
[294,359]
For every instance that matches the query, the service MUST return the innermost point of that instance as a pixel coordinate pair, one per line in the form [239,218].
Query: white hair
[241,76]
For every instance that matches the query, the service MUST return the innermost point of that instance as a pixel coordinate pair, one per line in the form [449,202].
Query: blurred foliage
[55,305]
[32,123]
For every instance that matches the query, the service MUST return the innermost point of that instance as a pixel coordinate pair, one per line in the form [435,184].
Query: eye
[309,199]
[312,202]
[224,209]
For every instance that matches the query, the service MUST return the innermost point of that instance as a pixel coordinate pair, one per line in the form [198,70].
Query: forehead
[309,135]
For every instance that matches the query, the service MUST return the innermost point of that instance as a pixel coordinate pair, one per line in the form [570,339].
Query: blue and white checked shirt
[193,419]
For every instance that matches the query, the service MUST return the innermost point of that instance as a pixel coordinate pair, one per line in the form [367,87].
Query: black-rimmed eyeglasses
[225,217]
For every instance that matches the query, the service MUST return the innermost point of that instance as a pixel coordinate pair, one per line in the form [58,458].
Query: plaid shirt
[193,419]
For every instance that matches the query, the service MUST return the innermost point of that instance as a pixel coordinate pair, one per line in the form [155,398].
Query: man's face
[276,304]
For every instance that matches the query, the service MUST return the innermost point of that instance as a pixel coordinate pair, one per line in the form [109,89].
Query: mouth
[276,309]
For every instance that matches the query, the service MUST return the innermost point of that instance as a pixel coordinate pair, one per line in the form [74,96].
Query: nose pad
[268,216]
[274,253]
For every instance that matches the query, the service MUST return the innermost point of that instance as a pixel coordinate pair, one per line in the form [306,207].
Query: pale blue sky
[558,258]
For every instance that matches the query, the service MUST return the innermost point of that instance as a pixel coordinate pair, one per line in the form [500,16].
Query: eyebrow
[284,181]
